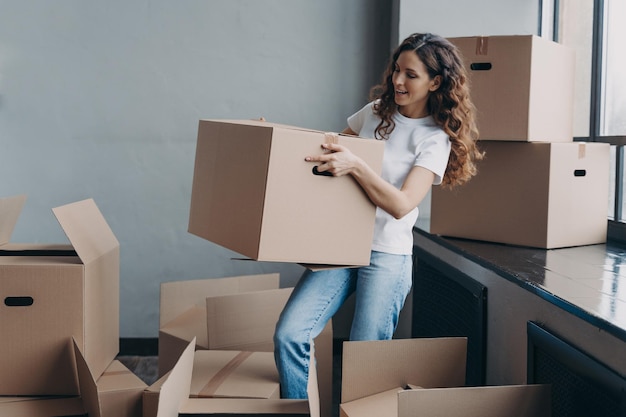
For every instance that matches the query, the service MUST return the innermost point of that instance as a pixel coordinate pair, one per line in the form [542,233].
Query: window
[597,32]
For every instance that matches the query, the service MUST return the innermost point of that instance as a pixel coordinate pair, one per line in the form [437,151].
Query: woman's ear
[435,83]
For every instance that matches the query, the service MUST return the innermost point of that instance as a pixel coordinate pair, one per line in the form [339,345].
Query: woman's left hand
[338,160]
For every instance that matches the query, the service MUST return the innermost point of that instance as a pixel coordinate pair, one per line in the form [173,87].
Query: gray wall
[101,99]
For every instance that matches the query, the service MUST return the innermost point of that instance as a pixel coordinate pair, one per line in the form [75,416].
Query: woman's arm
[397,202]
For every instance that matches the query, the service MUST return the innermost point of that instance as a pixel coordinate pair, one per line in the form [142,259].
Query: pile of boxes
[536,186]
[60,320]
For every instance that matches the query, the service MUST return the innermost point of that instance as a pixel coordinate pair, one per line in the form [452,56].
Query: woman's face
[412,85]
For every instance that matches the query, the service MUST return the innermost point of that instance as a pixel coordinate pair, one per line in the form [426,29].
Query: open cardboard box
[233,313]
[263,203]
[116,393]
[170,397]
[425,377]
[52,293]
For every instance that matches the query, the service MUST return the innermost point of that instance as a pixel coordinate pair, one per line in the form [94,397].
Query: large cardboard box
[254,193]
[424,377]
[52,293]
[522,86]
[233,313]
[544,195]
[170,397]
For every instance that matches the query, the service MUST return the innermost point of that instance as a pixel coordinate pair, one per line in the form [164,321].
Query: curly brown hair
[450,105]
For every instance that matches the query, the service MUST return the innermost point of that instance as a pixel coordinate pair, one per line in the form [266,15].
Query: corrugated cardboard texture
[234,374]
[244,321]
[530,194]
[384,404]
[528,92]
[120,391]
[41,407]
[264,203]
[372,367]
[496,401]
[177,296]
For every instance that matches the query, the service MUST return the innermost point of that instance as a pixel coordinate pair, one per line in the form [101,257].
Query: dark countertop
[587,281]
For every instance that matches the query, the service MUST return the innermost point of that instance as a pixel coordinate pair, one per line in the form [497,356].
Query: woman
[422,110]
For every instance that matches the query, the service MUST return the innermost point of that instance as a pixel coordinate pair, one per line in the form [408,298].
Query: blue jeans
[380,290]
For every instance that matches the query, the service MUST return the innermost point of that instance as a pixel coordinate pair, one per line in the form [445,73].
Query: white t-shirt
[413,142]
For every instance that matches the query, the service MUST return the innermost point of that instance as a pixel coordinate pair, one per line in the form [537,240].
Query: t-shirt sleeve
[433,154]
[357,120]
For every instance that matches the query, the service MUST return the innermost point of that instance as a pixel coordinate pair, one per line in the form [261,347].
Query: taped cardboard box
[233,313]
[254,194]
[170,397]
[425,377]
[544,195]
[522,87]
[52,293]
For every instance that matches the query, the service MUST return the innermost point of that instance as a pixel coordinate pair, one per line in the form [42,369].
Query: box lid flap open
[86,229]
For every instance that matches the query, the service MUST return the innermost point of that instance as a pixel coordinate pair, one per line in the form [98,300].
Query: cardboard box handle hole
[580,172]
[18,301]
[480,66]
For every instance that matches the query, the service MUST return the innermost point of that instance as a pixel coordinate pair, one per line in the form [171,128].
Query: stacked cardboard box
[53,294]
[536,186]
[232,317]
[425,377]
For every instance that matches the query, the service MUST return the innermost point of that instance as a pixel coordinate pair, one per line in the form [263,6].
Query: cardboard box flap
[176,297]
[87,384]
[10,209]
[371,367]
[491,401]
[176,387]
[238,320]
[87,229]
[382,404]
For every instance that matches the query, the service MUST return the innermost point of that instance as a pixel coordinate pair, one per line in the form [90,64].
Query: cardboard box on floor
[170,397]
[254,193]
[183,313]
[411,377]
[544,195]
[522,87]
[52,293]
[233,313]
[115,393]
